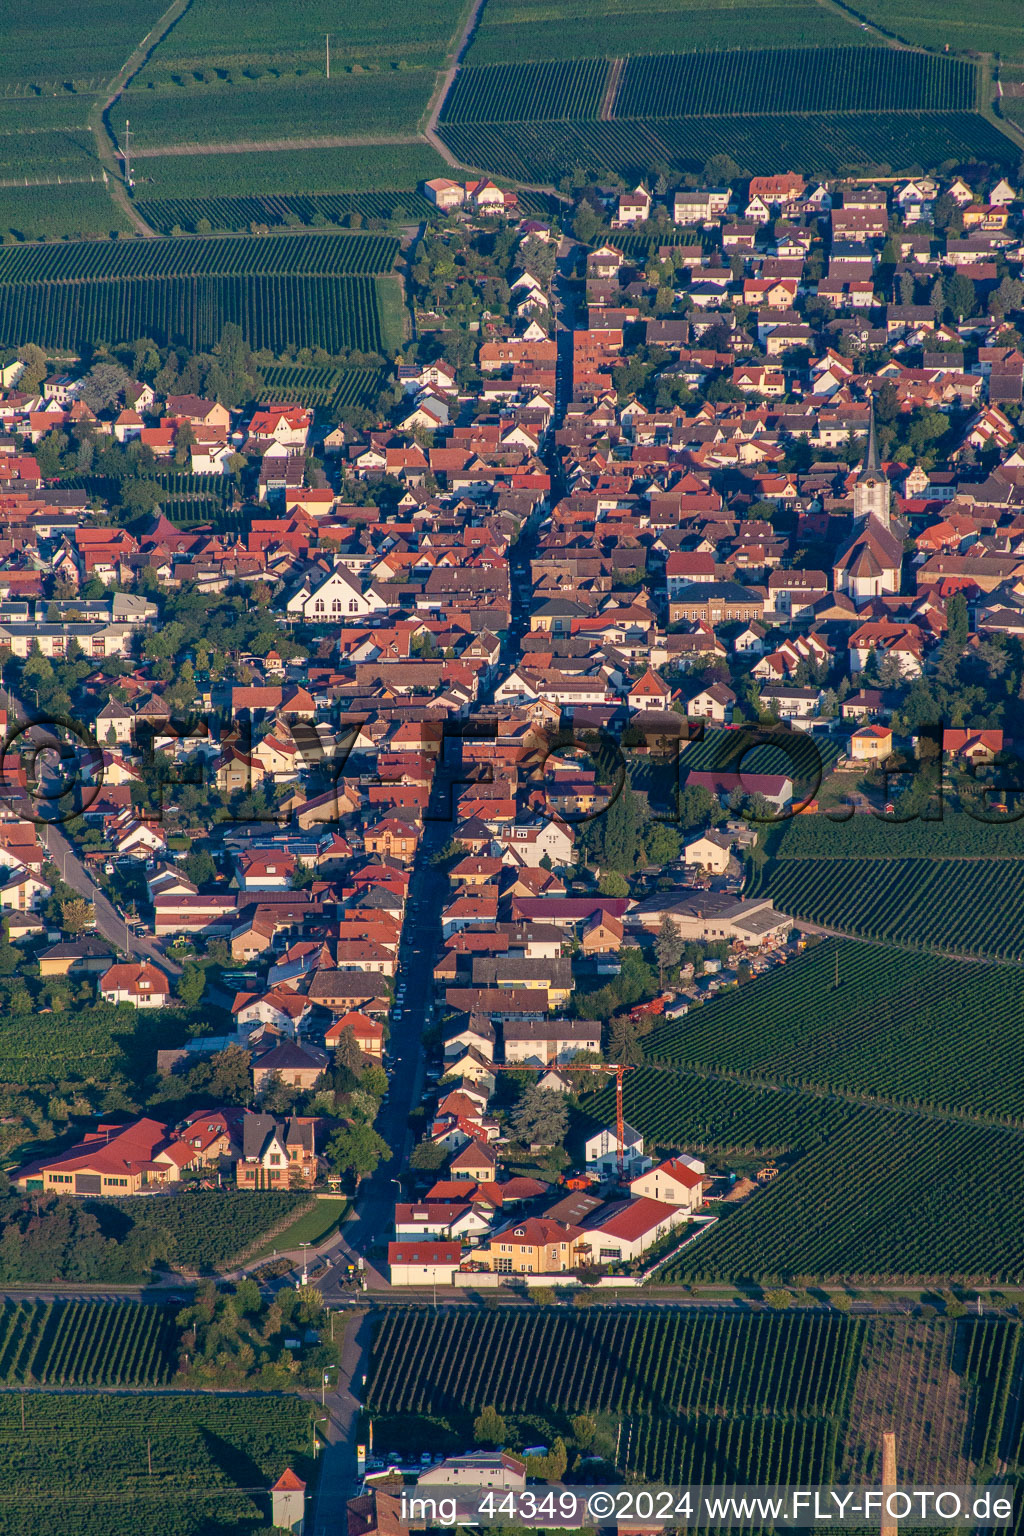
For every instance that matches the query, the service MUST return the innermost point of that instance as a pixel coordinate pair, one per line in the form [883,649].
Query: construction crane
[620,1069]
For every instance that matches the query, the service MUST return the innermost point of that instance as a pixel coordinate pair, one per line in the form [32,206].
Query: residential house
[277,1154]
[141,984]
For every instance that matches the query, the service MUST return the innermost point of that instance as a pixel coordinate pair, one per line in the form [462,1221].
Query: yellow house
[871,744]
[538,1246]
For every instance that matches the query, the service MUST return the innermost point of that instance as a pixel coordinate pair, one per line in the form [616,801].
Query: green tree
[357,1149]
[489,1428]
[74,915]
[35,369]
[191,983]
[668,946]
[584,1430]
[199,867]
[541,1117]
[612,883]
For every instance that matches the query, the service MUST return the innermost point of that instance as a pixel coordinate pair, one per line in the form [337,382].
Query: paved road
[340,1427]
[72,870]
[108,922]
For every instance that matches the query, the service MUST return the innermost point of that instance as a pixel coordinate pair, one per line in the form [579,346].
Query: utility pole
[128,154]
[328,35]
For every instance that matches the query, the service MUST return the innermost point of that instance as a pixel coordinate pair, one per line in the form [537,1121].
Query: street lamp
[325,1378]
[305,1263]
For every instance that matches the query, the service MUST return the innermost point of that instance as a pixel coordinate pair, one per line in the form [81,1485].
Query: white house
[141,985]
[711,851]
[439,1222]
[679,1181]
[140,839]
[714,703]
[338,596]
[423,1262]
[627,1229]
[477,1469]
[601,1152]
[525,847]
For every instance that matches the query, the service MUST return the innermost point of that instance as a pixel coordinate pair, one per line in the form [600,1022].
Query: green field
[949,906]
[888,1197]
[283,255]
[723,1116]
[819,145]
[81,1044]
[820,110]
[683,1396]
[86,1343]
[278,313]
[900,1028]
[871,837]
[325,388]
[49,212]
[359,106]
[210,1227]
[85,51]
[312,1227]
[208,39]
[173,215]
[81,1462]
[993,26]
[208,81]
[514,31]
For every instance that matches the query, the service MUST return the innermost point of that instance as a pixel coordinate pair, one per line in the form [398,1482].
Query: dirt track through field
[611,91]
[247,146]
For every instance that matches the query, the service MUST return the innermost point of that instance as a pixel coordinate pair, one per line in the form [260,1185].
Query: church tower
[871,490]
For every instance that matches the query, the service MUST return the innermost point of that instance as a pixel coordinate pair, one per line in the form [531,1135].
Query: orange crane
[618,1068]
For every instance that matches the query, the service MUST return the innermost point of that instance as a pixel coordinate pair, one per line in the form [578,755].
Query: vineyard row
[255,256]
[277,313]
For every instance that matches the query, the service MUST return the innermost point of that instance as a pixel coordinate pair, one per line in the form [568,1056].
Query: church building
[870,563]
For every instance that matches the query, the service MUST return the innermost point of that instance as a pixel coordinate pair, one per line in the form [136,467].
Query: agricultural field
[276,313]
[423,1362]
[185,499]
[822,110]
[866,1020]
[74,209]
[955,836]
[80,55]
[361,106]
[43,137]
[273,174]
[81,1462]
[884,1198]
[728,1397]
[946,906]
[724,1116]
[281,255]
[324,388]
[86,1344]
[507,93]
[80,1044]
[993,26]
[793,80]
[209,40]
[515,31]
[821,145]
[206,1228]
[255,256]
[173,215]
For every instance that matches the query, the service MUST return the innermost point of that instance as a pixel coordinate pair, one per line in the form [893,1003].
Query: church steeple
[871,463]
[871,490]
